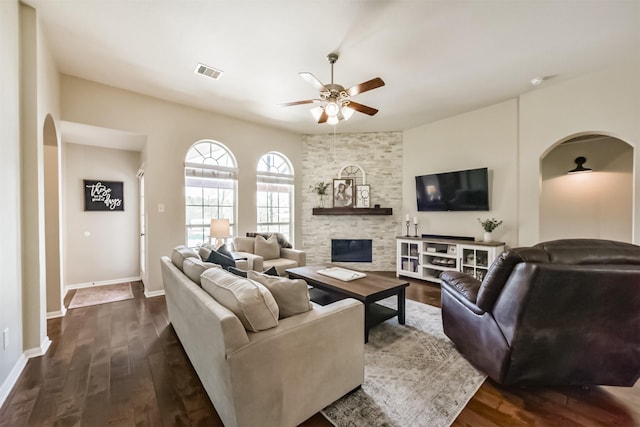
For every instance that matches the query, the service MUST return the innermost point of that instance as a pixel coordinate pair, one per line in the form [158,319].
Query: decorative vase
[487,236]
[321,201]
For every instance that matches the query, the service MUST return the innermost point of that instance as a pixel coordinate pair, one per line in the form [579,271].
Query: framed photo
[343,193]
[103,195]
[363,196]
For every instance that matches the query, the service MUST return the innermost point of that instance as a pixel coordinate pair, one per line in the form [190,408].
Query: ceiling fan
[335,99]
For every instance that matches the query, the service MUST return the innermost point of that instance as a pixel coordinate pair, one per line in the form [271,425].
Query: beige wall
[99,247]
[512,137]
[10,223]
[170,130]
[482,138]
[588,205]
[606,102]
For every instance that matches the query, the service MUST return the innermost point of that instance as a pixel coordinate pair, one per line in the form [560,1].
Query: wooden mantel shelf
[352,211]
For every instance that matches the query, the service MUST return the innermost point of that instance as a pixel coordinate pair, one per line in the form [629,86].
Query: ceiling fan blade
[363,87]
[306,101]
[323,117]
[313,80]
[362,108]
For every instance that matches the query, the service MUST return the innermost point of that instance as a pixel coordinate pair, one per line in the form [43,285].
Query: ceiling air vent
[205,70]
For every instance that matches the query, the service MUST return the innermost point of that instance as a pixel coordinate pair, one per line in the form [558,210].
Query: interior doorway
[52,225]
[596,203]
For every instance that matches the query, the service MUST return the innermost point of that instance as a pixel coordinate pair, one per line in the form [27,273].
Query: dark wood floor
[121,364]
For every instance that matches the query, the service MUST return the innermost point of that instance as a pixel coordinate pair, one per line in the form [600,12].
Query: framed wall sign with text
[103,195]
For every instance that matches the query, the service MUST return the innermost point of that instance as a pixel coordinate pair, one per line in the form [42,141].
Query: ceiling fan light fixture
[333,120]
[347,112]
[332,108]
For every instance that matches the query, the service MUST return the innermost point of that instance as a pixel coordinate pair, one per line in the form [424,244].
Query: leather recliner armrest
[462,287]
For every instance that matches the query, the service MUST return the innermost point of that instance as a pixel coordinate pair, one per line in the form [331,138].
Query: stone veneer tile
[380,155]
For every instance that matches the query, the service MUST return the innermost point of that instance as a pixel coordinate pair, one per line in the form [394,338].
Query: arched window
[211,176]
[275,194]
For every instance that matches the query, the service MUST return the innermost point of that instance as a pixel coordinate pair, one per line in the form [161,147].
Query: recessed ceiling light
[537,80]
[207,71]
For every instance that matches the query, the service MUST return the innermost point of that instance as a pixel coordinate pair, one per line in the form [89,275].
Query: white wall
[170,130]
[110,251]
[587,205]
[481,138]
[606,102]
[10,223]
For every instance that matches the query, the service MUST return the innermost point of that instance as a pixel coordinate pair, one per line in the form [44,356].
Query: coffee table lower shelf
[375,313]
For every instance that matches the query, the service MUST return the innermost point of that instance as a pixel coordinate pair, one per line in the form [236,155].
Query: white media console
[425,258]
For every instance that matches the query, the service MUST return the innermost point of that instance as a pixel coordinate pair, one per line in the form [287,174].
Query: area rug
[414,376]
[101,295]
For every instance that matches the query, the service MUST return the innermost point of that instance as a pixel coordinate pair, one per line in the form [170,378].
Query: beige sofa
[276,377]
[261,257]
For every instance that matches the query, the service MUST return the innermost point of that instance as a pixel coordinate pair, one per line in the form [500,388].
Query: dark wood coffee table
[367,289]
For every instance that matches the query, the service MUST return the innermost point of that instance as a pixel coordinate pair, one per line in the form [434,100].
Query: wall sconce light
[219,230]
[579,168]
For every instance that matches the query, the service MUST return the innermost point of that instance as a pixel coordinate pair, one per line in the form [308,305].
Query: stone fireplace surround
[380,155]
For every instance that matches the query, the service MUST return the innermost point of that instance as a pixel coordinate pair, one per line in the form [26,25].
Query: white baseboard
[67,288]
[56,314]
[11,380]
[17,369]
[151,294]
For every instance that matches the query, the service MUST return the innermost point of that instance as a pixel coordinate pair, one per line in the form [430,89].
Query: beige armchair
[262,254]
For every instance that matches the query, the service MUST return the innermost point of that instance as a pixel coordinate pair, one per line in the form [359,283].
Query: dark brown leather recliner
[565,312]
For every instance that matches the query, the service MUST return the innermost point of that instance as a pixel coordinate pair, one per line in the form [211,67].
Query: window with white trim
[274,201]
[211,182]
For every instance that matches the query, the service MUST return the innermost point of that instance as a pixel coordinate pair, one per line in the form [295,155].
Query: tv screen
[466,190]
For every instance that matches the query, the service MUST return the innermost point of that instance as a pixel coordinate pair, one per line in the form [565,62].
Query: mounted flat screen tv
[466,190]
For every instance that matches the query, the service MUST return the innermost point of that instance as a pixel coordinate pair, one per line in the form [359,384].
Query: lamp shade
[219,228]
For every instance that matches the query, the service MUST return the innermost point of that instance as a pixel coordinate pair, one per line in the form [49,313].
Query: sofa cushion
[194,267]
[180,253]
[292,296]
[243,273]
[250,301]
[281,265]
[267,248]
[244,244]
[221,259]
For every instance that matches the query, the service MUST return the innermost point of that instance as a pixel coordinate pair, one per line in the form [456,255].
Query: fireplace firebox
[351,250]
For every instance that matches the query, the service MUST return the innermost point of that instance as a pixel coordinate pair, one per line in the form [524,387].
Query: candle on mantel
[406,217]
[415,220]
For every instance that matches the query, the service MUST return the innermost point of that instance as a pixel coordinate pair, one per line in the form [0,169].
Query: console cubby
[426,259]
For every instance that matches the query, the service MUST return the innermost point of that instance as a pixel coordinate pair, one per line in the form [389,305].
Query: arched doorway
[592,204]
[51,156]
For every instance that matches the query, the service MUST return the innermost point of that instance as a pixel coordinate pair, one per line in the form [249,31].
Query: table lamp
[219,230]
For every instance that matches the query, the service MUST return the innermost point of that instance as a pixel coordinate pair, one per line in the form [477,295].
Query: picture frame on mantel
[363,196]
[343,193]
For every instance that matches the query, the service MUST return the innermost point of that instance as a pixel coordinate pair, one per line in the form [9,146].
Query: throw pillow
[267,249]
[194,267]
[221,259]
[180,253]
[225,251]
[238,272]
[250,301]
[282,241]
[204,251]
[292,296]
[244,244]
[243,273]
